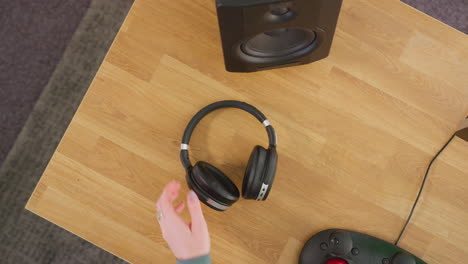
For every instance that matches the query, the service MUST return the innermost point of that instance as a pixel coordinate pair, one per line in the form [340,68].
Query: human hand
[186,240]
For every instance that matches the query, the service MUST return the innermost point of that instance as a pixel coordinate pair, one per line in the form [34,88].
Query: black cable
[421,189]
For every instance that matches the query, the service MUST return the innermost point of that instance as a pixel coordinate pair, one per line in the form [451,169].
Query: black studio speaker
[266,34]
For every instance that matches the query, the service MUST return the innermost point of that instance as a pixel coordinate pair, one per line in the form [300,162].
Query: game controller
[337,246]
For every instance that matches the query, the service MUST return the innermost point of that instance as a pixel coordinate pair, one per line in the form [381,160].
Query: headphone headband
[184,157]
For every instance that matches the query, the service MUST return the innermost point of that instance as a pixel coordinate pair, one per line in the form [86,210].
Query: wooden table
[356,132]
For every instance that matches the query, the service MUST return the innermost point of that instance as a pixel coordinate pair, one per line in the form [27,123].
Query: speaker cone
[279,42]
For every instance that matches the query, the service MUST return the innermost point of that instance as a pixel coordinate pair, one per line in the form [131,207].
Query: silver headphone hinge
[263,192]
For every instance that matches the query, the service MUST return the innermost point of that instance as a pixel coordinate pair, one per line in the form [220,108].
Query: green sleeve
[200,260]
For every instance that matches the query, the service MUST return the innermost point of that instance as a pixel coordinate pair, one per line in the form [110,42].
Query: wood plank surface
[355,131]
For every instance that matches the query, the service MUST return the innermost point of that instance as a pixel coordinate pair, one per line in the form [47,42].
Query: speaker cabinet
[265,34]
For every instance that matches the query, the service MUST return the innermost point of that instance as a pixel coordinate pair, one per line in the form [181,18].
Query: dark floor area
[452,12]
[50,51]
[33,37]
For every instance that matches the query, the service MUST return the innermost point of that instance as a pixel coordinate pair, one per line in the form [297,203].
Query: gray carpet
[44,76]
[33,38]
[452,12]
[50,51]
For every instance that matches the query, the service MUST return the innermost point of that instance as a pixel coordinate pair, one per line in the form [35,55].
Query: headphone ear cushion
[270,170]
[211,183]
[254,173]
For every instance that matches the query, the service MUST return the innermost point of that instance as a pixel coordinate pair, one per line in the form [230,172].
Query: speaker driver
[279,42]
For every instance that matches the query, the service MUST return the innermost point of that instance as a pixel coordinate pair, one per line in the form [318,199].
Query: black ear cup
[260,173]
[254,173]
[270,172]
[212,186]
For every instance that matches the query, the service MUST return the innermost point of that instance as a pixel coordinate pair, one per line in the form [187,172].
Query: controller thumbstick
[340,242]
[336,261]
[403,258]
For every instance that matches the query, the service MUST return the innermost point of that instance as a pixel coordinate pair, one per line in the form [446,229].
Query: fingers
[172,191]
[165,210]
[171,213]
[198,220]
[169,195]
[180,207]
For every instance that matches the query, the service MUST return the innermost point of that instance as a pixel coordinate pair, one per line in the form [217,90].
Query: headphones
[211,185]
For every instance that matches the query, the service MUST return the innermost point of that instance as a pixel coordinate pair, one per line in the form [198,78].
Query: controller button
[336,261]
[385,261]
[323,246]
[355,251]
[340,242]
[403,258]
